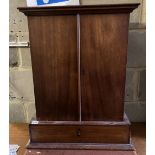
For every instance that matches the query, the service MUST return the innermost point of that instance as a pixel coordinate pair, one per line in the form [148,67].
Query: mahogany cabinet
[79,56]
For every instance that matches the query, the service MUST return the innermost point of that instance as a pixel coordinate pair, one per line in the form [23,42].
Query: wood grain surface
[47,133]
[82,9]
[103,66]
[54,62]
[79,59]
[19,135]
[72,152]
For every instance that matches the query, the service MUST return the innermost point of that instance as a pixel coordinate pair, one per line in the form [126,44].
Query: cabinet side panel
[53,41]
[103,65]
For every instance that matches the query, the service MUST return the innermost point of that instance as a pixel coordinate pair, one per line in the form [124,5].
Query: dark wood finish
[54,62]
[103,132]
[95,123]
[18,134]
[81,9]
[71,152]
[79,134]
[82,146]
[78,59]
[103,66]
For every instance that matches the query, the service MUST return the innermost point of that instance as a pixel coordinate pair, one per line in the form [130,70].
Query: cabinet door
[53,42]
[103,65]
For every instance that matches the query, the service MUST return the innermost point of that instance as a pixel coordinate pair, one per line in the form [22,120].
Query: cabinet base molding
[77,152]
[106,135]
[81,146]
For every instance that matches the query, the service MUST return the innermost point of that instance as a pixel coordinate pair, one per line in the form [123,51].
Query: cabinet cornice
[79,9]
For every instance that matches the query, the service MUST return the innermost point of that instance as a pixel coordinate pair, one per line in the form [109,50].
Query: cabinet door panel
[103,65]
[53,42]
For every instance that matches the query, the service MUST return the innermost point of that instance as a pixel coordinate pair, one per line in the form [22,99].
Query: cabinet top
[79,9]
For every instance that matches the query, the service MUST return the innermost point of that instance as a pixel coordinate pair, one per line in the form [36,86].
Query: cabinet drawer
[79,133]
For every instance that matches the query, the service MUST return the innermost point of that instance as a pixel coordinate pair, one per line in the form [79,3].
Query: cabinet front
[79,66]
[54,61]
[103,44]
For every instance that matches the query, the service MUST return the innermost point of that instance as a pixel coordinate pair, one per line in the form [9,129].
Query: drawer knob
[78,132]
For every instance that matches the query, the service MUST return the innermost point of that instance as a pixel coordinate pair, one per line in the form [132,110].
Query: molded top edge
[79,9]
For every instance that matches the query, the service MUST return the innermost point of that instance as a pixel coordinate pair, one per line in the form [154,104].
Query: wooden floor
[19,135]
